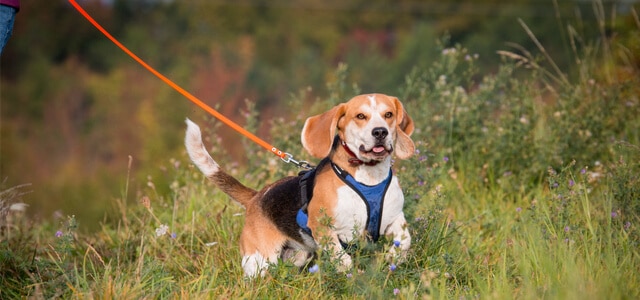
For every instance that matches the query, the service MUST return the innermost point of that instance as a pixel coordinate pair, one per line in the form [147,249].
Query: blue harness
[372,196]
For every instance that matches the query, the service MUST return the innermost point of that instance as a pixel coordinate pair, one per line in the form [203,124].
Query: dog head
[373,126]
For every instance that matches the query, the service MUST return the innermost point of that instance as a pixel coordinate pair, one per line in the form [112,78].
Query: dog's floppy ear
[404,128]
[318,131]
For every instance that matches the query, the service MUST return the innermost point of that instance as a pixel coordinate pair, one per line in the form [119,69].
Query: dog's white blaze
[372,100]
[376,119]
[197,152]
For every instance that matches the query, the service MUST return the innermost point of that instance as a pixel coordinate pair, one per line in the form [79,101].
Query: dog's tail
[201,158]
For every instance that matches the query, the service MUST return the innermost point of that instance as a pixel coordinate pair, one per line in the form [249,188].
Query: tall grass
[524,185]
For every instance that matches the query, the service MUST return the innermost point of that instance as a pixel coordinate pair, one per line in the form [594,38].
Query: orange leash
[284,156]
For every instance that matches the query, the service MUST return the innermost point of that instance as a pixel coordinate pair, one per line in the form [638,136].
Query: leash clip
[288,158]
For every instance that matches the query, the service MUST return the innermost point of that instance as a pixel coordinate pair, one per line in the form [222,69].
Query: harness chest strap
[372,196]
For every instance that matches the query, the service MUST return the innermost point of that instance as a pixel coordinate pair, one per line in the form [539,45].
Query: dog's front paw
[401,241]
[398,251]
[345,263]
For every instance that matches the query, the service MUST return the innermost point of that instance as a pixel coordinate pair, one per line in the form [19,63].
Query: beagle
[350,194]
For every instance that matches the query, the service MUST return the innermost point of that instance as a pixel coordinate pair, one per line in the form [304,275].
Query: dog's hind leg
[254,264]
[261,244]
[298,254]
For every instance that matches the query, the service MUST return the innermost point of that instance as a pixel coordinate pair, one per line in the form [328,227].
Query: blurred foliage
[74,108]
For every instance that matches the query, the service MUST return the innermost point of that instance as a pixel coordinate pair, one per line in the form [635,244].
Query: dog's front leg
[338,253]
[329,241]
[399,231]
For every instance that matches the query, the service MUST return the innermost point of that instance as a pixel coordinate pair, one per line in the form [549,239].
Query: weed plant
[524,184]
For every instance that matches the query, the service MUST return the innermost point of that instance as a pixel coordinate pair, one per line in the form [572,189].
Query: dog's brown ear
[404,128]
[318,131]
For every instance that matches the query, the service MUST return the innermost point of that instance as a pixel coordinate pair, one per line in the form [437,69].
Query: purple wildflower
[396,291]
[518,209]
[420,182]
[583,171]
[173,235]
[59,233]
[446,159]
[349,275]
[392,267]
[571,182]
[314,269]
[396,243]
[614,214]
[567,228]
[627,225]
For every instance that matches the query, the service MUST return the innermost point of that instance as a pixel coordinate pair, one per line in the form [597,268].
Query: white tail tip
[197,152]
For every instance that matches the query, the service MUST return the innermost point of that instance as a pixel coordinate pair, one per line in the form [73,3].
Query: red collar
[354,160]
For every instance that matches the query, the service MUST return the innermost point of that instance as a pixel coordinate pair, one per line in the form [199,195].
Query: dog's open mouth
[376,151]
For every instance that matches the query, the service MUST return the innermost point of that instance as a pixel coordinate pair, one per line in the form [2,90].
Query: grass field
[525,184]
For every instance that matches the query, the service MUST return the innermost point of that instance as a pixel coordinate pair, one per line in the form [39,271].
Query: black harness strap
[307,180]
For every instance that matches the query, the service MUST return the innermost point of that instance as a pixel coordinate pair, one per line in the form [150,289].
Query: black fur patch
[281,202]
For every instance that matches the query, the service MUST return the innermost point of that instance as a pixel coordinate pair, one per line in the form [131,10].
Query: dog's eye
[388,115]
[361,116]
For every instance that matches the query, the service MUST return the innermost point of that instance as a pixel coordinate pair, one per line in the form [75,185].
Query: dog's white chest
[351,213]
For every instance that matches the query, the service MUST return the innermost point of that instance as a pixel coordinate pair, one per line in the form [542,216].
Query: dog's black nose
[379,133]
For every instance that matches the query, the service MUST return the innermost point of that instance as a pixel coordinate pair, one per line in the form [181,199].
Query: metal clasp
[288,158]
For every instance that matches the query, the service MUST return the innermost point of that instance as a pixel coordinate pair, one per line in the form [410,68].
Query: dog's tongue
[378,149]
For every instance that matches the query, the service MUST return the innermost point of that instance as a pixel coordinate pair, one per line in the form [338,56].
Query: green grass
[525,184]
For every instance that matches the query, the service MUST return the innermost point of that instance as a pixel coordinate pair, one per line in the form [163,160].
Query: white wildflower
[162,230]
[449,51]
[18,207]
[442,80]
